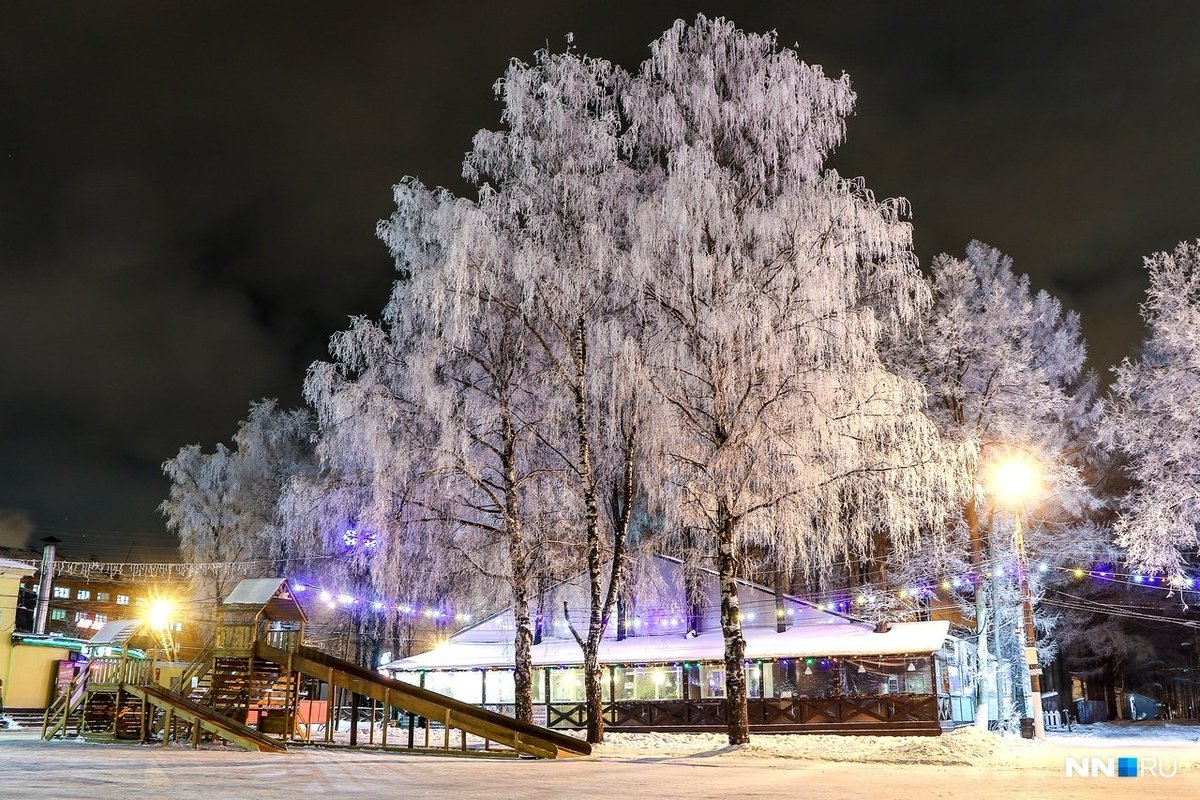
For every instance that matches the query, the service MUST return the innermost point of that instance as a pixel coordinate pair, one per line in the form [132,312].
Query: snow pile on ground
[1146,731]
[963,747]
[8,723]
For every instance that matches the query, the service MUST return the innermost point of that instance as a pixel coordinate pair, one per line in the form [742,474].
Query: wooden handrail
[521,736]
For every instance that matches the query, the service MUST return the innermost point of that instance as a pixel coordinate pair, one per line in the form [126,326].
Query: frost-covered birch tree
[224,505]
[374,455]
[1004,369]
[1154,419]
[770,283]
[557,191]
[473,379]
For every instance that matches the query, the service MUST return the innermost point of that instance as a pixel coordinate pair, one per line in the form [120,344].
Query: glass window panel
[566,685]
[623,680]
[657,683]
[916,677]
[539,686]
[500,686]
[754,680]
[712,680]
[817,677]
[691,681]
[868,677]
[781,678]
[461,685]
[102,596]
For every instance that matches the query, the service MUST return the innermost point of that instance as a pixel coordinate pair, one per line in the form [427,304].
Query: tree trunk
[780,611]
[982,684]
[519,565]
[736,709]
[522,653]
[600,602]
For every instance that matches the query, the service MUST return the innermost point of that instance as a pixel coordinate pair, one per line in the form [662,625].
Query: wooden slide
[175,704]
[523,737]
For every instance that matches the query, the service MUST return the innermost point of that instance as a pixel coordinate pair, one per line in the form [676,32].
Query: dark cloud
[188,191]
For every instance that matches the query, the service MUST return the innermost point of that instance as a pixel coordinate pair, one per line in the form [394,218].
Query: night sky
[189,190]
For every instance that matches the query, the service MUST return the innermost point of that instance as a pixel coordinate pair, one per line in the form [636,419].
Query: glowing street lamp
[1014,481]
[161,612]
[160,617]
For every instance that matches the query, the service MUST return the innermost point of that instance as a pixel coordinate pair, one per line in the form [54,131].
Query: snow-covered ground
[683,767]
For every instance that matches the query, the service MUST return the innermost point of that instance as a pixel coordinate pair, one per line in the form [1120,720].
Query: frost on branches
[1154,420]
[224,505]
[556,192]
[1004,370]
[769,285]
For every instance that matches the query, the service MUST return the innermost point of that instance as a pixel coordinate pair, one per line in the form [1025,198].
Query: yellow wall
[28,671]
[31,673]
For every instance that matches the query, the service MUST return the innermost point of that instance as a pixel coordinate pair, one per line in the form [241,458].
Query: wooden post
[329,715]
[412,721]
[387,716]
[167,723]
[353,719]
[196,734]
[371,735]
[446,731]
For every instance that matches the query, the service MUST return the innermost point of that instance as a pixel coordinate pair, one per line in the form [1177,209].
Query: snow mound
[8,723]
[966,746]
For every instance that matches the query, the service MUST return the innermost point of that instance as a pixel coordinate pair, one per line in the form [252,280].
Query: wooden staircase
[252,673]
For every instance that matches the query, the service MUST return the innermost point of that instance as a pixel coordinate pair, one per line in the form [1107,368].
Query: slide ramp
[523,737]
[206,718]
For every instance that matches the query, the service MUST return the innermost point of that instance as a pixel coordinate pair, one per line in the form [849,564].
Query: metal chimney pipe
[42,614]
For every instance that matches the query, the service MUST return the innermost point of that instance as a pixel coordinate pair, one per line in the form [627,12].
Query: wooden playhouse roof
[272,596]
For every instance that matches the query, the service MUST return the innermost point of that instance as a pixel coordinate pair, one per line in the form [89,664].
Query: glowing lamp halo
[1014,479]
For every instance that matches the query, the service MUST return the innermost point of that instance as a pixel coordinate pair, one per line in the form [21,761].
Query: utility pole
[1031,657]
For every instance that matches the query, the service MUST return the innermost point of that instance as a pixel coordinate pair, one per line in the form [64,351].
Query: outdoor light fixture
[1014,480]
[912,667]
[861,669]
[808,669]
[160,613]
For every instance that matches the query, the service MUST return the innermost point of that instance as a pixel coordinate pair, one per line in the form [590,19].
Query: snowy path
[39,770]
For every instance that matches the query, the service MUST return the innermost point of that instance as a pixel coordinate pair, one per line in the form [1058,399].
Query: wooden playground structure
[246,689]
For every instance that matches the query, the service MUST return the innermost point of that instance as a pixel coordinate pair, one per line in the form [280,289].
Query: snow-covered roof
[253,592]
[9,567]
[115,632]
[272,595]
[836,637]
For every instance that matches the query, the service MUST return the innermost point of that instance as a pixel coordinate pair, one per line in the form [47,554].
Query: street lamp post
[1015,480]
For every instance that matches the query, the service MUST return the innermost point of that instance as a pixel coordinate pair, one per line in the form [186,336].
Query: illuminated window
[62,592]
[122,599]
[178,626]
[58,613]
[139,601]
[80,615]
[83,594]
[101,619]
[103,597]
